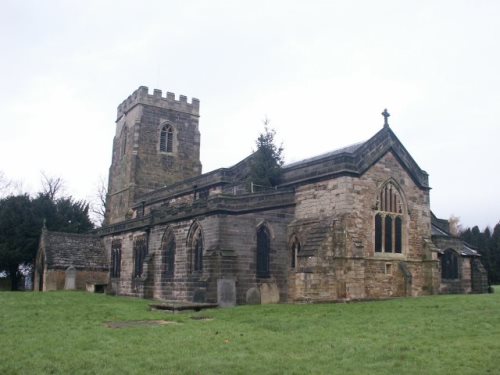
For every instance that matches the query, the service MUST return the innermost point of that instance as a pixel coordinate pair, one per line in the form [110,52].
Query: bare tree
[98,205]
[9,187]
[5,184]
[52,186]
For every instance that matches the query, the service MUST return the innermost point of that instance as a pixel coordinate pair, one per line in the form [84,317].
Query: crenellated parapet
[142,96]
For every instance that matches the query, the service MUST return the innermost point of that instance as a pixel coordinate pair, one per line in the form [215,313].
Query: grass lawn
[69,333]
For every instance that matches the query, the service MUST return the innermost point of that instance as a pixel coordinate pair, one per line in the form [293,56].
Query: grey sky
[321,71]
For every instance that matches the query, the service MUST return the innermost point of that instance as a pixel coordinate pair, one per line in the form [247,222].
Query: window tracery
[389,218]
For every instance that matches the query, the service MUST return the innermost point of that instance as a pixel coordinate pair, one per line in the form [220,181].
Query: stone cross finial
[386,116]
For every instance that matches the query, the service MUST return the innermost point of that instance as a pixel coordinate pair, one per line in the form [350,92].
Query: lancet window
[196,248]
[116,258]
[263,252]
[295,250]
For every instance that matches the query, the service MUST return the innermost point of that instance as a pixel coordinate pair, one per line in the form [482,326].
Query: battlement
[142,96]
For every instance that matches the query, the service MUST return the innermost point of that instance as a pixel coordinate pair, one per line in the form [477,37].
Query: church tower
[157,143]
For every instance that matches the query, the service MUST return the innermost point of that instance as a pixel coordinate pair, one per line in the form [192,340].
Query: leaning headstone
[269,293]
[70,279]
[226,292]
[253,296]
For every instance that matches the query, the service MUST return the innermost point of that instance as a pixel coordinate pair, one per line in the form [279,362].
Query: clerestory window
[389,220]
[167,139]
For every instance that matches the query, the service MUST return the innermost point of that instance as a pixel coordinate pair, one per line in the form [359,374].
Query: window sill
[389,256]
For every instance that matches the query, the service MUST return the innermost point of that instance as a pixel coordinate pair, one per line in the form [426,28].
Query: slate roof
[82,251]
[438,229]
[354,160]
[348,149]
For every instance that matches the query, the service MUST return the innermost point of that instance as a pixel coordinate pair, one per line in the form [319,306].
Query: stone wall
[345,265]
[55,279]
[138,166]
[229,243]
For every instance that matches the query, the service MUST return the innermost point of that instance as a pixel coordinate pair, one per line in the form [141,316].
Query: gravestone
[226,292]
[253,296]
[199,296]
[70,279]
[269,293]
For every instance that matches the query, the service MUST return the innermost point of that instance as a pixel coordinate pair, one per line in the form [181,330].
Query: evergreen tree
[488,245]
[494,247]
[21,221]
[267,160]
[19,232]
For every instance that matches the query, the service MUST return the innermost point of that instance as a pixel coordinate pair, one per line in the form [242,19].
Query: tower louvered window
[167,139]
[389,220]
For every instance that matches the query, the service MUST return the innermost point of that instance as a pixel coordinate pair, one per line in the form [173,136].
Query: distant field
[79,333]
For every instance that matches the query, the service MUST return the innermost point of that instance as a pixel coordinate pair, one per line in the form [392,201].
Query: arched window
[140,252]
[167,139]
[389,220]
[449,265]
[263,251]
[116,258]
[295,249]
[195,246]
[168,250]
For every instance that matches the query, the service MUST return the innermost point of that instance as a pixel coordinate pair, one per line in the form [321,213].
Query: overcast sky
[321,71]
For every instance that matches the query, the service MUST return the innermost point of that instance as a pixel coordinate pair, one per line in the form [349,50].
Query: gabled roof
[440,229]
[355,160]
[82,251]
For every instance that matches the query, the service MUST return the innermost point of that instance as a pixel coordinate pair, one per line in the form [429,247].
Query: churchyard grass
[68,333]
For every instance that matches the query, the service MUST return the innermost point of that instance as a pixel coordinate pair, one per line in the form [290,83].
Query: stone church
[351,224]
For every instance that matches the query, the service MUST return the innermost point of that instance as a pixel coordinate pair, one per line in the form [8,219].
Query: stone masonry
[173,233]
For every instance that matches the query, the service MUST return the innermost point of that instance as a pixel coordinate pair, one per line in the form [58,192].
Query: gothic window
[167,139]
[295,249]
[196,248]
[168,250]
[449,265]
[389,220]
[140,252]
[116,258]
[263,251]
